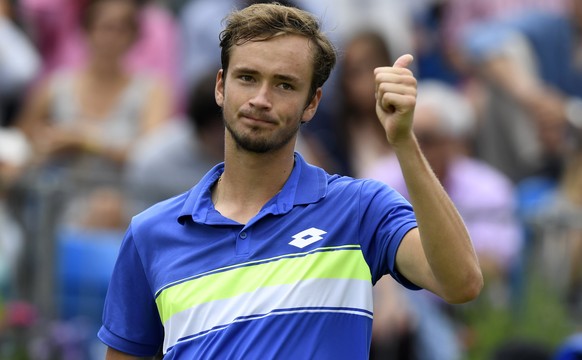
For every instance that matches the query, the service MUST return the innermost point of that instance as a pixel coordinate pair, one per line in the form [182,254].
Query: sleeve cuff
[126,346]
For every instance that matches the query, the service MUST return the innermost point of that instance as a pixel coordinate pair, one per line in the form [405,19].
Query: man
[269,257]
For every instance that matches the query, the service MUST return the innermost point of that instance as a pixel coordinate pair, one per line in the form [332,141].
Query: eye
[246,78]
[286,86]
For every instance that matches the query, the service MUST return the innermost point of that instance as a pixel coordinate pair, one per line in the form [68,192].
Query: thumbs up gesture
[396,98]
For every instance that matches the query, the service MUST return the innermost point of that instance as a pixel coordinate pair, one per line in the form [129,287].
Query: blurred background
[107,106]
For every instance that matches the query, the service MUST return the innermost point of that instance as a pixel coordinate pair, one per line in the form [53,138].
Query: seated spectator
[459,16]
[531,64]
[58,32]
[83,123]
[443,122]
[362,136]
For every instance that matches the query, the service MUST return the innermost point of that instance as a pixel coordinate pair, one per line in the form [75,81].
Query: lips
[258,117]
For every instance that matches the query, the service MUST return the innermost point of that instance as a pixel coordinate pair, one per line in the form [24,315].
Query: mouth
[258,119]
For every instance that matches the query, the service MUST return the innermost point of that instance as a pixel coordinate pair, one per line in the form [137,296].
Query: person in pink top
[56,28]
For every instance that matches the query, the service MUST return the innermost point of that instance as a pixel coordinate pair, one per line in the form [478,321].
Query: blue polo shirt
[294,282]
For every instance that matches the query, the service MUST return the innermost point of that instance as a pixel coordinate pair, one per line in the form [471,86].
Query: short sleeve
[131,322]
[385,217]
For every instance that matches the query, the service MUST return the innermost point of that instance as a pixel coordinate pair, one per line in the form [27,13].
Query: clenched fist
[396,98]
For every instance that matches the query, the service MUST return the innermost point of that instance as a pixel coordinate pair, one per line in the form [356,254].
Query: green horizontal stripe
[337,264]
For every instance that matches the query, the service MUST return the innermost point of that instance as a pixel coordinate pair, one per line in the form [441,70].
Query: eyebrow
[283,77]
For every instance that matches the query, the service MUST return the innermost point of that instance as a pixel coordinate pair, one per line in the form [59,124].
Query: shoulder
[366,190]
[161,214]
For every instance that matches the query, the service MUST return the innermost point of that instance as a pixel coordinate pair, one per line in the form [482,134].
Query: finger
[404,61]
[395,82]
[390,102]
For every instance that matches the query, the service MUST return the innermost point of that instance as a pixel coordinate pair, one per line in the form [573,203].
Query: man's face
[264,93]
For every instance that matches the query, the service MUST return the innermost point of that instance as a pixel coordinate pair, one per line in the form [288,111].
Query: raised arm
[439,255]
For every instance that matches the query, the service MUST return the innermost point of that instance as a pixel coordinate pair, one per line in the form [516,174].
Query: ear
[219,88]
[311,108]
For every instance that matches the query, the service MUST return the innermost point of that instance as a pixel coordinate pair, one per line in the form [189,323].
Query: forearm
[504,73]
[116,154]
[443,235]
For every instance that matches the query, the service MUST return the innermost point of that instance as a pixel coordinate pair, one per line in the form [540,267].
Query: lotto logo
[307,237]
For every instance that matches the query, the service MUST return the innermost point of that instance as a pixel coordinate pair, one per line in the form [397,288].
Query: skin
[438,255]
[264,96]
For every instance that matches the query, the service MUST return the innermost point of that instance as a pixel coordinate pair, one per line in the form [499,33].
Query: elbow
[469,290]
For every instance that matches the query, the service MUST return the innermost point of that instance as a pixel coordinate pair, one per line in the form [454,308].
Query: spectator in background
[459,16]
[443,124]
[186,148]
[359,130]
[14,153]
[557,220]
[84,122]
[343,19]
[531,62]
[19,63]
[59,34]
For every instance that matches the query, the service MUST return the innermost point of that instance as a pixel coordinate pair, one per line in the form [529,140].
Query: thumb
[403,61]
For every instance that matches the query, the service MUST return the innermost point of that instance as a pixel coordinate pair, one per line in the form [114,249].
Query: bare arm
[439,255]
[35,113]
[541,103]
[157,109]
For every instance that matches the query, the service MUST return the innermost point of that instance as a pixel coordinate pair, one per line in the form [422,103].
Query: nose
[262,98]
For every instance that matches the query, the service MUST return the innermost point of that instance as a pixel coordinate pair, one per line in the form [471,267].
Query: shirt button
[243,235]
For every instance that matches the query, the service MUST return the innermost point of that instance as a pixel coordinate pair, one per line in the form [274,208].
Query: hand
[56,140]
[396,98]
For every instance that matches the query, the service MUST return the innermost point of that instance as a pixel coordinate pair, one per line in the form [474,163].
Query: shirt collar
[307,184]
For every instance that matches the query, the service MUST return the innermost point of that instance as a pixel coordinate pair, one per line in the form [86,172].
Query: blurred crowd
[107,107]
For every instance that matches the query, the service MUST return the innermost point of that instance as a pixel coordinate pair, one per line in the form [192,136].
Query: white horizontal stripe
[345,294]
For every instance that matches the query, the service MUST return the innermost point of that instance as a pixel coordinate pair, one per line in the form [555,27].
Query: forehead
[281,55]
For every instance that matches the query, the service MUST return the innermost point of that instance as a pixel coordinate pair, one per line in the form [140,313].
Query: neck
[101,69]
[250,180]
